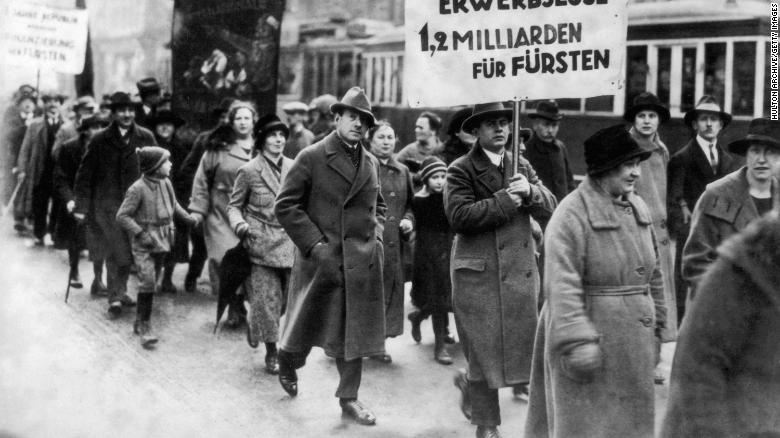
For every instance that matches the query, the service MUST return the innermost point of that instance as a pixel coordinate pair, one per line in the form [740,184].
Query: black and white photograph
[390,218]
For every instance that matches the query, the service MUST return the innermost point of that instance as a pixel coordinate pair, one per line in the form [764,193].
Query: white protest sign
[477,51]
[44,37]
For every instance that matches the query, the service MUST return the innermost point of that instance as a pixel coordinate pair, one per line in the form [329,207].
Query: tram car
[679,50]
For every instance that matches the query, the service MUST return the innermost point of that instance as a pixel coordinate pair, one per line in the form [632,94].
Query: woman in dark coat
[396,184]
[68,234]
[725,380]
[164,125]
[251,213]
[431,284]
[595,347]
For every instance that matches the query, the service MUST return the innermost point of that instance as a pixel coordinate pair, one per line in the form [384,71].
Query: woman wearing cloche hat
[604,303]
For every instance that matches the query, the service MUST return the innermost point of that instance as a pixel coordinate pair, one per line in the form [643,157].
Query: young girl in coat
[431,285]
[146,214]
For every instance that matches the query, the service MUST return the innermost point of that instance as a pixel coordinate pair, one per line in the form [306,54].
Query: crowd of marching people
[563,290]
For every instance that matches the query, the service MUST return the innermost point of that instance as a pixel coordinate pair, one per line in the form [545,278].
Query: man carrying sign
[494,273]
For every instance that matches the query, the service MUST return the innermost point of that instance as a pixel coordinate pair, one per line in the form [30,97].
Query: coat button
[640,270]
[528,274]
[663,223]
[525,244]
[646,321]
[392,194]
[391,218]
[628,210]
[665,242]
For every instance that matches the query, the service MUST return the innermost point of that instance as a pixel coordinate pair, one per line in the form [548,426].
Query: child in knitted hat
[147,214]
[431,285]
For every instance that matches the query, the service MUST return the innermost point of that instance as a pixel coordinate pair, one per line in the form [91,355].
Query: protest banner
[477,51]
[225,49]
[45,37]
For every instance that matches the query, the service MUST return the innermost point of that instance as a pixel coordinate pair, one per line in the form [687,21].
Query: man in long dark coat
[495,280]
[109,167]
[332,209]
[701,161]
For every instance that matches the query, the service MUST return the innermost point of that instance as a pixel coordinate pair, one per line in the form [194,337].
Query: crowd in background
[563,291]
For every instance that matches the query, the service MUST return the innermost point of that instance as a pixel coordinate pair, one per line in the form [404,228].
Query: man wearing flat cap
[729,204]
[109,167]
[149,92]
[495,280]
[36,165]
[546,153]
[331,207]
[300,137]
[701,161]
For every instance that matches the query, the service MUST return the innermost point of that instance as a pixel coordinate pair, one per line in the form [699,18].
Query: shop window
[688,83]
[715,70]
[600,103]
[636,72]
[569,104]
[744,78]
[663,78]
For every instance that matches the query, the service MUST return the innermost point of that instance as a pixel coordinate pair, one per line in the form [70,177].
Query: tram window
[345,78]
[569,104]
[715,70]
[636,72]
[664,74]
[767,81]
[399,95]
[744,78]
[688,84]
[600,103]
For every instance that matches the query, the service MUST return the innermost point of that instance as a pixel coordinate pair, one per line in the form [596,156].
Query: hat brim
[550,117]
[663,112]
[690,116]
[740,147]
[617,161]
[474,120]
[131,104]
[338,107]
[273,126]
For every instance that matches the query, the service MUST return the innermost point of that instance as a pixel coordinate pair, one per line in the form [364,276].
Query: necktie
[713,161]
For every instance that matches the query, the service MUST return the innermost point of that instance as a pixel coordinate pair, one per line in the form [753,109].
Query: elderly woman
[227,148]
[251,213]
[595,344]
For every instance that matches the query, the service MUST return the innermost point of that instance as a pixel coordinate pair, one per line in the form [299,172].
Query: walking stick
[67,290]
[7,207]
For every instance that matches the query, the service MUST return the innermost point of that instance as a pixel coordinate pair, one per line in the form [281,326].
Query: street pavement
[66,370]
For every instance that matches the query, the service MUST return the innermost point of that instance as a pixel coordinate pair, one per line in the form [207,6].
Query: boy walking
[146,214]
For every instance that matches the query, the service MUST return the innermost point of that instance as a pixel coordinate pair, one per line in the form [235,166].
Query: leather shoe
[488,432]
[288,378]
[127,301]
[465,400]
[115,309]
[414,318]
[272,363]
[190,283]
[384,358]
[354,409]
[75,281]
[98,289]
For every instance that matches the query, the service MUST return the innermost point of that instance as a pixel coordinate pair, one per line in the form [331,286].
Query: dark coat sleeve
[409,196]
[290,207]
[717,324]
[63,172]
[465,213]
[675,195]
[189,166]
[84,178]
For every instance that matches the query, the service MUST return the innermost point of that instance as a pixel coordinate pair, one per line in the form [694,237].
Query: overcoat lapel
[701,160]
[363,174]
[337,158]
[487,174]
[267,174]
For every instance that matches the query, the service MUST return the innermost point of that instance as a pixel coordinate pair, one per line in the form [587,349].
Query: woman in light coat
[228,148]
[251,213]
[594,356]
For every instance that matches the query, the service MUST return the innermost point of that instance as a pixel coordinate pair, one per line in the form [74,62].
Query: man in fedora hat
[645,115]
[546,153]
[109,167]
[729,204]
[300,137]
[164,125]
[149,92]
[697,164]
[331,207]
[495,280]
[35,164]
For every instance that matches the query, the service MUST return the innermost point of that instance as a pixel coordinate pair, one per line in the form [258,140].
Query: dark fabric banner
[224,48]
